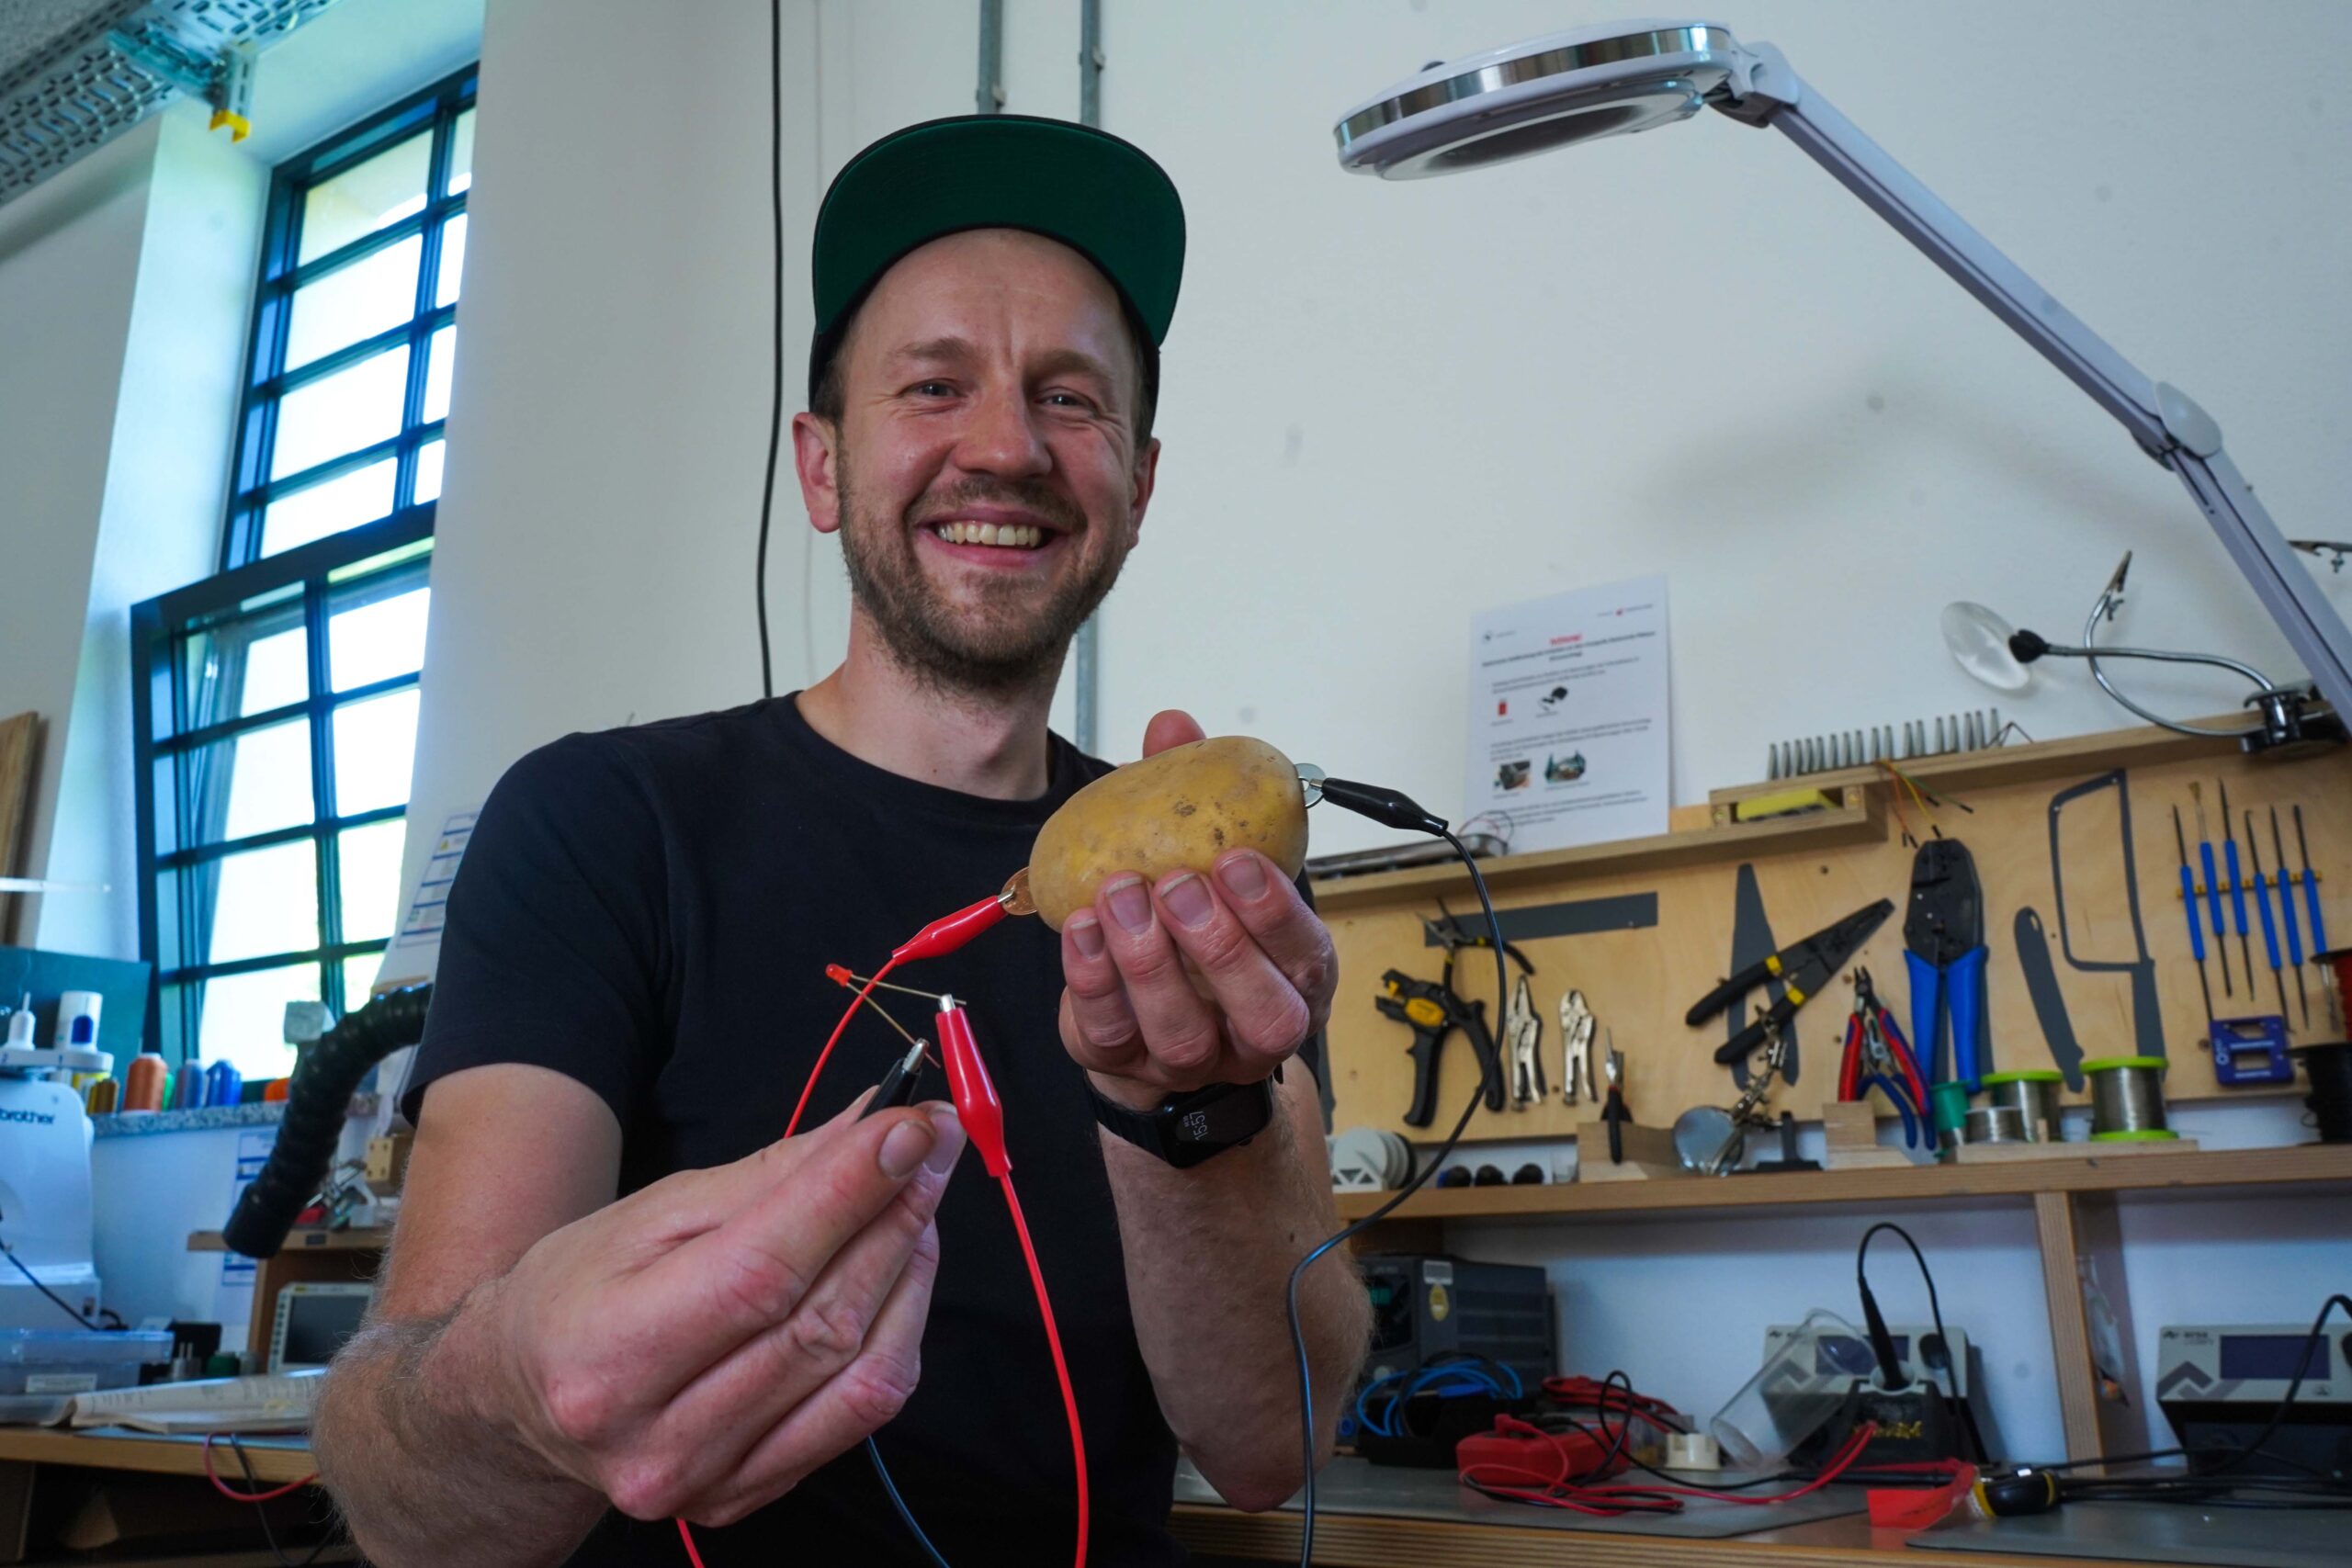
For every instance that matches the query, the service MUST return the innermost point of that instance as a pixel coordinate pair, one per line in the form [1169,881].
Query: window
[275,703]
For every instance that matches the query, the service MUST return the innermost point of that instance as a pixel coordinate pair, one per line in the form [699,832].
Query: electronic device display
[1842,1357]
[2219,1386]
[313,1320]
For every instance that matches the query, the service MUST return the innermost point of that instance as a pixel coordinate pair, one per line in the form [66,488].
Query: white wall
[1387,406]
[69,259]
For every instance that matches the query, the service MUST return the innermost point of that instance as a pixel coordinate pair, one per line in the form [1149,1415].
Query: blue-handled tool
[2287,918]
[2213,883]
[2310,887]
[2262,907]
[2238,896]
[2188,902]
[1943,935]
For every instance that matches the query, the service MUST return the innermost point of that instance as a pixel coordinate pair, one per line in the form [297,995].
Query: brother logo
[38,1118]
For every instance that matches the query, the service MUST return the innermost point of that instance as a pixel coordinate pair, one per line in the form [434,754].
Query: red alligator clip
[977,1105]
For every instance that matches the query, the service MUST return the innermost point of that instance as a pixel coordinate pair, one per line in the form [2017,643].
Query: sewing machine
[45,1217]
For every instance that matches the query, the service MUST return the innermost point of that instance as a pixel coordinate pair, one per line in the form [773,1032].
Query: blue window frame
[275,704]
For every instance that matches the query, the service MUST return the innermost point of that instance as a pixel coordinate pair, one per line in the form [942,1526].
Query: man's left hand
[1260,981]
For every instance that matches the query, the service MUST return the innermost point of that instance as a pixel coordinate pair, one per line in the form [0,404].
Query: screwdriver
[2310,887]
[2287,917]
[2213,888]
[2262,906]
[2237,890]
[2188,902]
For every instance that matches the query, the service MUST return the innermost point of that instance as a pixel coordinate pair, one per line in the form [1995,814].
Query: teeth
[1017,536]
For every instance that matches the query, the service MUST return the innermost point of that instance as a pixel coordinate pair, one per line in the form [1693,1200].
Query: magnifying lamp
[1619,77]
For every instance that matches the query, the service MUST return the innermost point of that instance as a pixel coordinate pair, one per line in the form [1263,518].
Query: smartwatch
[1185,1129]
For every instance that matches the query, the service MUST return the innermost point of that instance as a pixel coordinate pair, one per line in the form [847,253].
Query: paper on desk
[1568,703]
[273,1402]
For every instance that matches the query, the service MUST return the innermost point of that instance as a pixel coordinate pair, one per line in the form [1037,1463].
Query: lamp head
[1529,97]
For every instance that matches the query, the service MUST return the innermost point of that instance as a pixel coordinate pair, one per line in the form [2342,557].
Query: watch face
[1228,1119]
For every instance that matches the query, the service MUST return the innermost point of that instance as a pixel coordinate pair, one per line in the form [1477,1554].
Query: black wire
[775,395]
[906,1515]
[63,1305]
[253,1484]
[1935,1308]
[1290,1292]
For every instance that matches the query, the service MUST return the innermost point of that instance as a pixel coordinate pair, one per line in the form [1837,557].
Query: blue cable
[906,1515]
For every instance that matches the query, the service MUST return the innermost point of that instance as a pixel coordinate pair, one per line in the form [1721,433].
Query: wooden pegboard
[1809,872]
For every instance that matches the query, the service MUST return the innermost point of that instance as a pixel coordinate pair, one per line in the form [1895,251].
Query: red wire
[1557,1490]
[687,1536]
[834,1039]
[229,1492]
[1054,1344]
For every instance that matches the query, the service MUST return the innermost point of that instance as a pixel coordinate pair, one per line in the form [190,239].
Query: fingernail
[1187,898]
[949,1145]
[1130,905]
[1085,934]
[1243,876]
[903,1149]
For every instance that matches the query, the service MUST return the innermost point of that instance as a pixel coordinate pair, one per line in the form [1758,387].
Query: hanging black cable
[776,393]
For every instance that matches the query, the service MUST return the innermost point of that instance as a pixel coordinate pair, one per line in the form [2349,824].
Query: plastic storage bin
[41,1369]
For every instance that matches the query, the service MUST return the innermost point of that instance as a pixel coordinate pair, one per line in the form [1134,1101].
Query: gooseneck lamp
[1615,78]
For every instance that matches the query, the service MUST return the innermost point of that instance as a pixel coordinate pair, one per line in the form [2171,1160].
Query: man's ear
[816,458]
[1147,474]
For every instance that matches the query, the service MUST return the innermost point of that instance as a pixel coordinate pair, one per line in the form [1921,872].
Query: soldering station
[1574,1294]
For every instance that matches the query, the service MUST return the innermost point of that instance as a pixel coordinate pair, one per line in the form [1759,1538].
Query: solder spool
[1997,1124]
[2033,1094]
[2128,1100]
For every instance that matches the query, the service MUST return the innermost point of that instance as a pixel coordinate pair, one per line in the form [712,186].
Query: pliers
[1522,1033]
[1943,934]
[1877,1056]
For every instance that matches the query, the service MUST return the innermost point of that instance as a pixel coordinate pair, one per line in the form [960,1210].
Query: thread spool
[1950,1108]
[1996,1125]
[2033,1094]
[2128,1100]
[143,1084]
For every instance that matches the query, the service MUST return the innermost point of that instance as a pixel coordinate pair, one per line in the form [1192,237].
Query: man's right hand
[699,1347]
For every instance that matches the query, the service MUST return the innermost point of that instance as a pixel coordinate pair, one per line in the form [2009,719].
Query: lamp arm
[2164,420]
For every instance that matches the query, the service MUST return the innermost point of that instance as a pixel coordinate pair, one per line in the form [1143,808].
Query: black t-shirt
[650,911]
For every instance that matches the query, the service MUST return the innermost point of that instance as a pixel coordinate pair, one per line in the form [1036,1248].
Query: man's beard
[1007,643]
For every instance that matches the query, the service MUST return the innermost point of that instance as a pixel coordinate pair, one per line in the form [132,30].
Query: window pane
[312,513]
[267,901]
[461,153]
[353,302]
[277,671]
[265,774]
[364,199]
[244,1018]
[452,260]
[371,880]
[429,471]
[437,369]
[340,414]
[358,978]
[375,744]
[375,641]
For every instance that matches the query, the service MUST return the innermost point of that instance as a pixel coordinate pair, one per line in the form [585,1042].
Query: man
[615,1294]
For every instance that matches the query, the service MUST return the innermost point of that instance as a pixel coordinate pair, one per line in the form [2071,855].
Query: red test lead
[977,1105]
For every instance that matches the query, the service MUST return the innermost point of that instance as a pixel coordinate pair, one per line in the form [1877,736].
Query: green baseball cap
[1104,197]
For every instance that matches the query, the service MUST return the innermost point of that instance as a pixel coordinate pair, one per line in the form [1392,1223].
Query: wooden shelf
[1861,821]
[305,1240]
[156,1455]
[2302,1163]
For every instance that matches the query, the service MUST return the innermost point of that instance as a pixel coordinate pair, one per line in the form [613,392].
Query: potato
[1176,811]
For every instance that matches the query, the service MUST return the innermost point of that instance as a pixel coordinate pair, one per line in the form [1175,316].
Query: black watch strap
[1186,1129]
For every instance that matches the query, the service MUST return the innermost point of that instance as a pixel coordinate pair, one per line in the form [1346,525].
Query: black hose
[316,1103]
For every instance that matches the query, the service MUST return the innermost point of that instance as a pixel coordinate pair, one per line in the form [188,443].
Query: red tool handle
[1849,1070]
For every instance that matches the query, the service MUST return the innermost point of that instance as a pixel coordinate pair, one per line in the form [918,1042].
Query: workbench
[27,1450]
